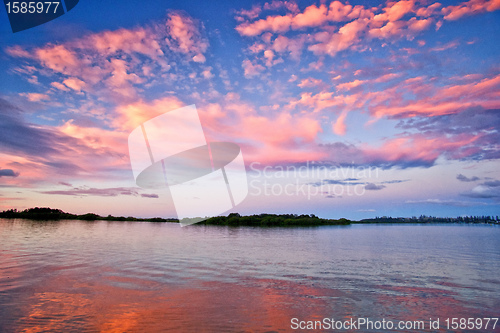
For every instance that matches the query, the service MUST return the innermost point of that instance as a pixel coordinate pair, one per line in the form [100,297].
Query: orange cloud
[271,23]
[338,11]
[130,116]
[396,11]
[428,11]
[391,29]
[311,17]
[419,25]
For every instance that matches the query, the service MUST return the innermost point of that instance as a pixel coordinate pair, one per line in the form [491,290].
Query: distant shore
[235,219]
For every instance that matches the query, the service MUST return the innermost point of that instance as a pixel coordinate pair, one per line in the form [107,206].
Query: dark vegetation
[272,220]
[235,219]
[57,214]
[433,219]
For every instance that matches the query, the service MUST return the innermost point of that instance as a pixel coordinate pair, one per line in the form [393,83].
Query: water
[76,276]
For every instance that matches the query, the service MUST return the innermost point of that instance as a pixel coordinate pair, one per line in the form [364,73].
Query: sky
[341,109]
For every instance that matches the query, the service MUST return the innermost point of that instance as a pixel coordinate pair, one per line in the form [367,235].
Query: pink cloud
[291,6]
[311,17]
[250,14]
[105,64]
[347,36]
[327,100]
[73,83]
[59,86]
[185,36]
[130,116]
[395,11]
[412,97]
[449,45]
[316,102]
[207,73]
[310,82]
[251,69]
[437,101]
[98,139]
[28,170]
[68,151]
[339,126]
[269,55]
[428,11]
[17,51]
[419,147]
[271,23]
[121,81]
[292,45]
[390,29]
[387,77]
[339,12]
[399,19]
[470,7]
[416,25]
[257,47]
[350,85]
[241,122]
[36,97]
[59,58]
[139,40]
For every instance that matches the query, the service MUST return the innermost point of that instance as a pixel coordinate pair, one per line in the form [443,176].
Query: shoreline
[236,220]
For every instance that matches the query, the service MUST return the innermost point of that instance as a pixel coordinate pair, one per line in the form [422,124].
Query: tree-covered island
[235,219]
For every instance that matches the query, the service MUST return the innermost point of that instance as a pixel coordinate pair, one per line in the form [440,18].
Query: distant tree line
[235,219]
[272,220]
[44,213]
[434,219]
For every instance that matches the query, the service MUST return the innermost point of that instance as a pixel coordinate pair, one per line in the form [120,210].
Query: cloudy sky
[387,108]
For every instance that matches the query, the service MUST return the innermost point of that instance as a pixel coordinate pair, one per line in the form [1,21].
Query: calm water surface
[76,276]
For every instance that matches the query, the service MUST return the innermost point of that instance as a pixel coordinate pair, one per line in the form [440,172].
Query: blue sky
[399,102]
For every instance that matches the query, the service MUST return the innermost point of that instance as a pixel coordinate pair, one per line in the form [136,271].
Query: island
[235,219]
[45,213]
